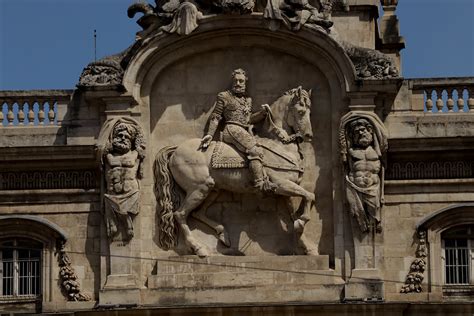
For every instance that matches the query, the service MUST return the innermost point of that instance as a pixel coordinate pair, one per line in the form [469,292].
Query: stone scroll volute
[121,149]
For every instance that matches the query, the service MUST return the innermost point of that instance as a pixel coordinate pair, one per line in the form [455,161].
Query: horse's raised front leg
[201,215]
[191,201]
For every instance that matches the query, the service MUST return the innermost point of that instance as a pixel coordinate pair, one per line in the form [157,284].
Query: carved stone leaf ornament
[370,63]
[67,276]
[414,279]
[104,72]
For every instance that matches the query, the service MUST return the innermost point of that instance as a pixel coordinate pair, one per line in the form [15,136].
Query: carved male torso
[365,168]
[121,172]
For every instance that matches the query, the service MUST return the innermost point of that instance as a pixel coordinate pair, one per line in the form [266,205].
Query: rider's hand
[266,108]
[205,141]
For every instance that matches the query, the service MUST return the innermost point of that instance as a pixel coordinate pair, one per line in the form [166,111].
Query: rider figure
[234,108]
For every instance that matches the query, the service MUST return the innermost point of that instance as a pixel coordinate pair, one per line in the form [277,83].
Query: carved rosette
[414,279]
[70,287]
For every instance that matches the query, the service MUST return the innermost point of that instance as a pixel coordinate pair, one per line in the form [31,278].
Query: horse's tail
[168,195]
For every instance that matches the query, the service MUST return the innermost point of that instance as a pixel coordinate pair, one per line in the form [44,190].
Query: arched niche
[176,80]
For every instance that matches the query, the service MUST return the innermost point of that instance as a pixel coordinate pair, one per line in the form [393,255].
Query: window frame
[17,269]
[470,250]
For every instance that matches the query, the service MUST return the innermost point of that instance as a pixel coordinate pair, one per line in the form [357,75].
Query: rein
[280,132]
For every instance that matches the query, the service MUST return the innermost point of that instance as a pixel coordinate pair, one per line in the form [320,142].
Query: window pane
[7,254]
[7,278]
[450,243]
[457,261]
[21,268]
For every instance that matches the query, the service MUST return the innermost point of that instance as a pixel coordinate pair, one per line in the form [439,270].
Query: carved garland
[70,287]
[417,268]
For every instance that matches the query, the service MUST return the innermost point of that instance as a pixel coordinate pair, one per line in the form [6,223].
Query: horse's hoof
[299,225]
[312,252]
[222,236]
[201,252]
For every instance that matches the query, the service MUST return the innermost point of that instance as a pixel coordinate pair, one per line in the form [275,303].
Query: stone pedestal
[242,279]
[121,287]
[364,285]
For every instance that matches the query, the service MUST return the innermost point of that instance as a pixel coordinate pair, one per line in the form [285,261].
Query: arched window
[458,245]
[20,268]
[27,247]
[450,256]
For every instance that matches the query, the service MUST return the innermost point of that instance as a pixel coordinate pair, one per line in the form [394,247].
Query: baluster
[41,105]
[31,112]
[21,114]
[10,115]
[429,101]
[1,113]
[460,101]
[450,101]
[470,101]
[439,99]
[51,113]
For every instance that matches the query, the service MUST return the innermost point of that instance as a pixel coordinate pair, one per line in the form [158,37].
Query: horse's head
[298,115]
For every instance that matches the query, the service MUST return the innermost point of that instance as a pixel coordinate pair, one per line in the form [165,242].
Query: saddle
[226,156]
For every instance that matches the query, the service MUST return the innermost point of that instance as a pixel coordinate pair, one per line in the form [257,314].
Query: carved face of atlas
[299,118]
[362,133]
[122,140]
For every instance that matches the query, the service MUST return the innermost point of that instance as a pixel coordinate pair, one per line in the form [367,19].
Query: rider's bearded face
[238,84]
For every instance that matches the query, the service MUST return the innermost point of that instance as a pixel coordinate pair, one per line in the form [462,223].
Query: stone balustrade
[33,107]
[444,95]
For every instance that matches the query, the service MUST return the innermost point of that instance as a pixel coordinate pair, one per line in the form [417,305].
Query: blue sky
[44,44]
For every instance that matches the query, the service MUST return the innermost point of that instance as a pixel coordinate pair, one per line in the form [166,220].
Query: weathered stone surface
[166,85]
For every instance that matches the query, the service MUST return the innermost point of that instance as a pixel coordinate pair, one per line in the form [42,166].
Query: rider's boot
[261,181]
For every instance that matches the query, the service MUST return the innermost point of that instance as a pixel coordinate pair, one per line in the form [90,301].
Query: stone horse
[187,168]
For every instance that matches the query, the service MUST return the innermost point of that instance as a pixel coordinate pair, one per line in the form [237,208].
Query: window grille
[457,261]
[458,245]
[20,274]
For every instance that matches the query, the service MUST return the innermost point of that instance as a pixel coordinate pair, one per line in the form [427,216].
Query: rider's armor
[237,115]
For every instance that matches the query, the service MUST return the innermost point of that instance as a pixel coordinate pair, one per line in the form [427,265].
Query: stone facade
[317,180]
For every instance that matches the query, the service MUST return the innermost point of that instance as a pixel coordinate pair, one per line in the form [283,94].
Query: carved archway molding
[226,32]
[30,226]
[446,218]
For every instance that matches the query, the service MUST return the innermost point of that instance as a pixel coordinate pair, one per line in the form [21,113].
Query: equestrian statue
[188,177]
